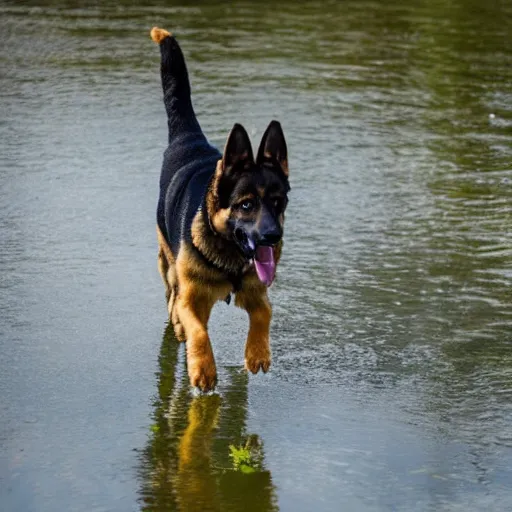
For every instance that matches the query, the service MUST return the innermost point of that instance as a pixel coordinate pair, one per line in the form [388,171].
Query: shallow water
[391,384]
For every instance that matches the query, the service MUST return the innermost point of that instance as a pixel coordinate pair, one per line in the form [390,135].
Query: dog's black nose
[270,238]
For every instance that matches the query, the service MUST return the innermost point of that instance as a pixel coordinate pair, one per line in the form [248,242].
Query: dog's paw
[179,332]
[202,373]
[257,359]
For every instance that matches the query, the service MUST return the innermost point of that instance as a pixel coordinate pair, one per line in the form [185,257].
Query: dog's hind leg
[165,260]
[167,269]
[172,282]
[173,310]
[163,267]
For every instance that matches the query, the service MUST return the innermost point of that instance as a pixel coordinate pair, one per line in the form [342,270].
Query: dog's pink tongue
[265,264]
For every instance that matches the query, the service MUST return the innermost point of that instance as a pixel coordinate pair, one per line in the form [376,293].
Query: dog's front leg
[193,308]
[257,347]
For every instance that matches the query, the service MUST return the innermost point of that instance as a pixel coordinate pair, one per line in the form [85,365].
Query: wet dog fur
[220,222]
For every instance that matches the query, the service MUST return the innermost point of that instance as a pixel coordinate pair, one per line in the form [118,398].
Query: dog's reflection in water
[199,456]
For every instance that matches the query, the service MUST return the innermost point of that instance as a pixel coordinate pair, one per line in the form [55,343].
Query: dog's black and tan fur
[215,212]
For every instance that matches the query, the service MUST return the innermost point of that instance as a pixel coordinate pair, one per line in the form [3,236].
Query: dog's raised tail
[159,34]
[175,83]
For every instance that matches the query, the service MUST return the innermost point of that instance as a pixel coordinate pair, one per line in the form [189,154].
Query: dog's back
[188,167]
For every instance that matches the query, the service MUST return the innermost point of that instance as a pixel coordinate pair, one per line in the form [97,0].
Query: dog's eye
[247,205]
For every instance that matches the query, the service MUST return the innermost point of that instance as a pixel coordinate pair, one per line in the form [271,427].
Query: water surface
[391,384]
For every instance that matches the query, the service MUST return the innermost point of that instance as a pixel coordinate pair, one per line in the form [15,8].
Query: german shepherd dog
[219,223]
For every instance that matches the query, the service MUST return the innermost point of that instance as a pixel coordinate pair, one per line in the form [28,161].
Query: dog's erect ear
[273,147]
[238,150]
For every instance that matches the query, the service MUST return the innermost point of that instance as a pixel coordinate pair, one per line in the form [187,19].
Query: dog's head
[249,196]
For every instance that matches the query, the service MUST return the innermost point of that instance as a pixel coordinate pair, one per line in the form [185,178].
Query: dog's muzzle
[262,254]
[245,243]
